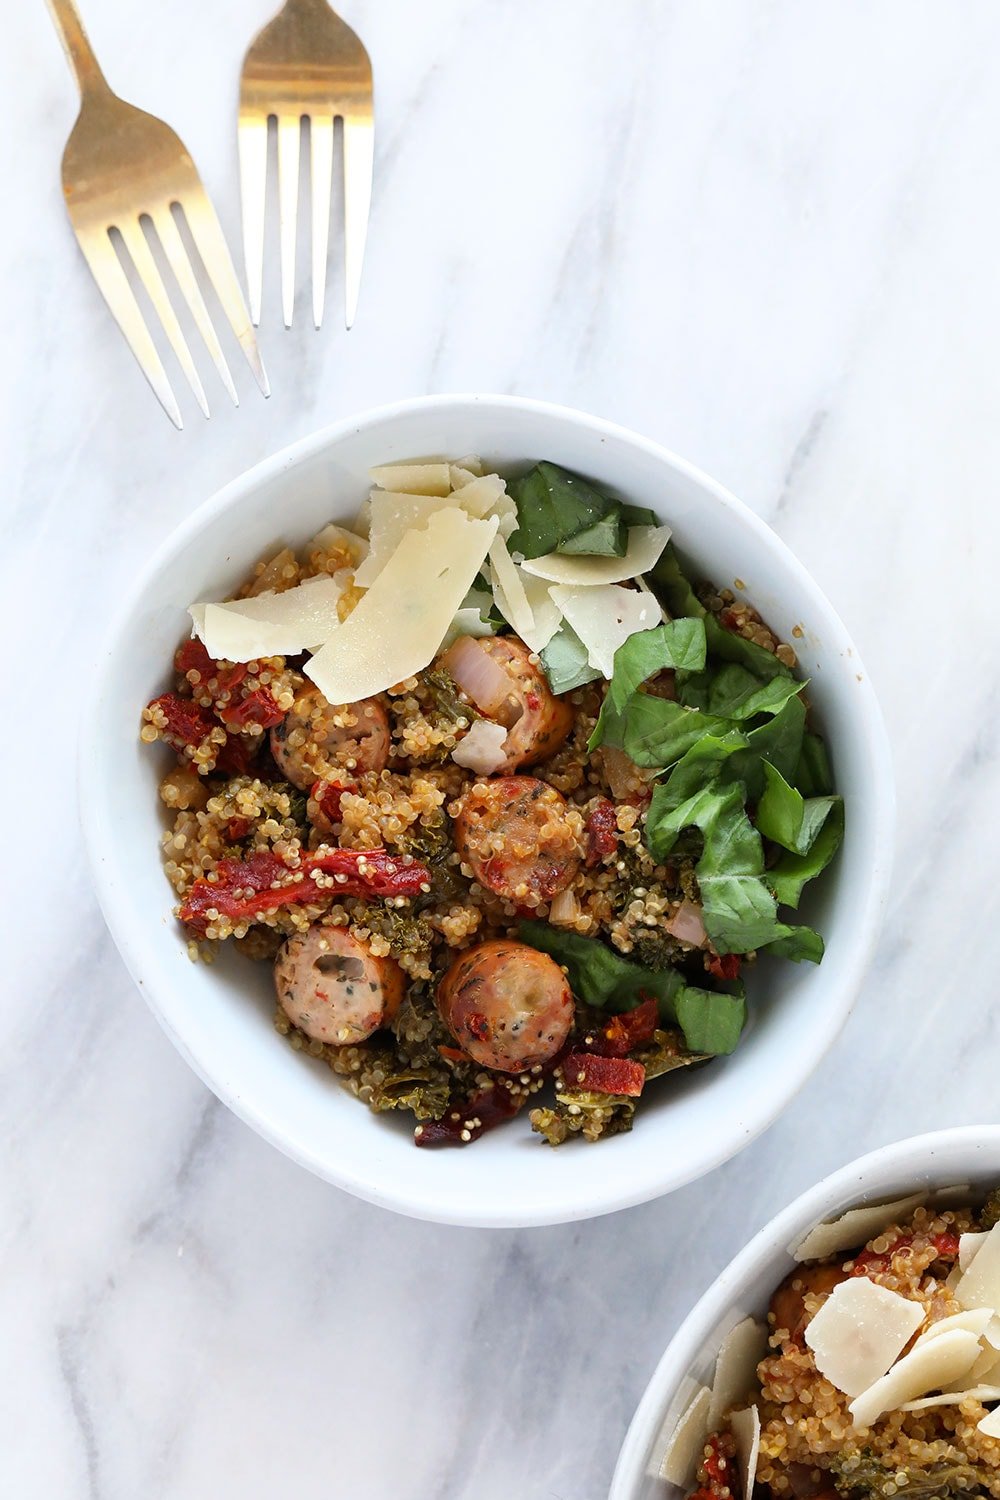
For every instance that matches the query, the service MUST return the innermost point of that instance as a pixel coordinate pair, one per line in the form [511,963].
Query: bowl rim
[417,1199]
[785,1228]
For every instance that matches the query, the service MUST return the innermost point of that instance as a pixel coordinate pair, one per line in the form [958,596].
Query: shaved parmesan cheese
[976,1320]
[480,495]
[985,1371]
[645,543]
[742,1350]
[687,1440]
[414,479]
[481,750]
[399,623]
[956,1196]
[547,615]
[605,617]
[745,1426]
[393,514]
[297,619]
[990,1424]
[980,1284]
[935,1364]
[854,1228]
[952,1398]
[338,536]
[469,465]
[859,1331]
[968,1246]
[508,591]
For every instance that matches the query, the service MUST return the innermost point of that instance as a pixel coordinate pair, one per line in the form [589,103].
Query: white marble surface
[761,231]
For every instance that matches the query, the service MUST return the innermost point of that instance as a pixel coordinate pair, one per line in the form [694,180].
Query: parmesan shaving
[297,619]
[934,1365]
[687,1440]
[745,1426]
[414,479]
[393,514]
[976,1320]
[604,617]
[968,1247]
[990,1425]
[854,1228]
[481,750]
[480,495]
[398,625]
[742,1350]
[858,1332]
[508,591]
[953,1398]
[980,1284]
[645,543]
[338,536]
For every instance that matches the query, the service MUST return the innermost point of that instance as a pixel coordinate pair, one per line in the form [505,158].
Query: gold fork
[126,171]
[306,64]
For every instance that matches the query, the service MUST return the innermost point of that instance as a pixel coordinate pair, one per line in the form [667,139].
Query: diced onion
[478,674]
[481,750]
[564,910]
[686,925]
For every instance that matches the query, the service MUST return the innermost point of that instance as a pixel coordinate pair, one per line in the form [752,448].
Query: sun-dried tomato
[601,830]
[718,1475]
[191,656]
[874,1263]
[188,723]
[238,828]
[237,755]
[465,1120]
[245,888]
[325,799]
[617,1036]
[603,1075]
[724,965]
[258,707]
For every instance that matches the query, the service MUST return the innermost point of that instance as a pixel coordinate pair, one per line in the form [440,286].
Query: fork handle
[77,44]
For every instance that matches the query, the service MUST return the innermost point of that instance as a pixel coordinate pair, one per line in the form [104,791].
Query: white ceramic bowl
[219,1017]
[967,1156]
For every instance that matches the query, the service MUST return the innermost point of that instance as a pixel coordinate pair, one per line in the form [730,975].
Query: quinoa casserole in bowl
[526,811]
[852,1352]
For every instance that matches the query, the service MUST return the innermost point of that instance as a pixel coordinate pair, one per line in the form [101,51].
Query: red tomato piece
[620,1035]
[601,830]
[603,1075]
[465,1120]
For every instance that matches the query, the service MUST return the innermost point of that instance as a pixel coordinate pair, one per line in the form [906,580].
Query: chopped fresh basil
[657,731]
[731,647]
[679,644]
[786,817]
[606,538]
[793,871]
[711,1021]
[638,515]
[734,692]
[670,585]
[564,661]
[813,776]
[552,507]
[738,908]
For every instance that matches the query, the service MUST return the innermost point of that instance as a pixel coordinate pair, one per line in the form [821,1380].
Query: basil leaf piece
[738,908]
[565,662]
[638,515]
[813,776]
[786,817]
[778,740]
[730,647]
[801,944]
[552,506]
[657,732]
[793,871]
[670,585]
[734,692]
[677,644]
[699,767]
[606,538]
[711,1021]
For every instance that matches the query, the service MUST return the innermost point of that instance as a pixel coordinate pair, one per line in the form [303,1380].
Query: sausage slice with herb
[332,987]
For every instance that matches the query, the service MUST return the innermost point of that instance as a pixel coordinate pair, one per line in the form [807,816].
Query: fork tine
[206,231]
[321,176]
[103,261]
[252,138]
[174,249]
[289,137]
[142,258]
[359,156]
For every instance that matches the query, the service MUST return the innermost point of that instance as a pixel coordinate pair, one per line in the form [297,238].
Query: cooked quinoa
[350,847]
[810,1444]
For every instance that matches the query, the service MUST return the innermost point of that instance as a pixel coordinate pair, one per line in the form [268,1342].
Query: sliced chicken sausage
[332,987]
[520,837]
[788,1306]
[498,676]
[507,1005]
[316,737]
